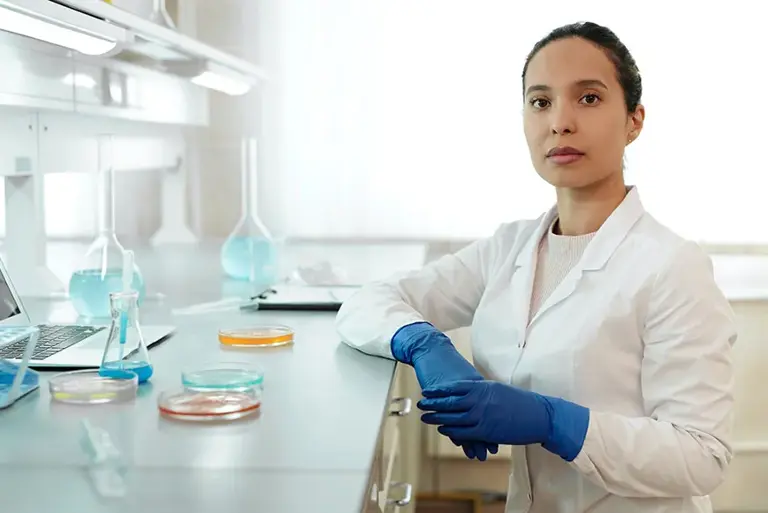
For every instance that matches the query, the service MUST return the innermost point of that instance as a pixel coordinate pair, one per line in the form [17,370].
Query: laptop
[59,345]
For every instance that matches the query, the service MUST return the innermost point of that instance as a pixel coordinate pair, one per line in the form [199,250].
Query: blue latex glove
[503,414]
[436,361]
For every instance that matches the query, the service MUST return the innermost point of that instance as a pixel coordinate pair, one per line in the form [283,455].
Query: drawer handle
[407,495]
[406,408]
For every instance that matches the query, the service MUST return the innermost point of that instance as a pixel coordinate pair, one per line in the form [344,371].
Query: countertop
[310,448]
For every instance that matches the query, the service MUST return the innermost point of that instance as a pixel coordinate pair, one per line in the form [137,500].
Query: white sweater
[557,256]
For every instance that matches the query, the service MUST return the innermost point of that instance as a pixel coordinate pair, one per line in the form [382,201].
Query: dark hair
[626,69]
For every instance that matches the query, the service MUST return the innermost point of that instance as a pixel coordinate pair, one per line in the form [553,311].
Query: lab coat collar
[606,240]
[613,231]
[595,256]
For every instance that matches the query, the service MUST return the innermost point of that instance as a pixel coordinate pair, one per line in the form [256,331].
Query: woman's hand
[436,361]
[497,413]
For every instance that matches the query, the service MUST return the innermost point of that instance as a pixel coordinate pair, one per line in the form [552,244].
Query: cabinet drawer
[396,491]
[389,465]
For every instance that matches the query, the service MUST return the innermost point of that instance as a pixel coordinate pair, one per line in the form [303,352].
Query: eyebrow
[589,82]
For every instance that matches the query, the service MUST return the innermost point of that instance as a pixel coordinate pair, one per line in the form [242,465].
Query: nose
[563,119]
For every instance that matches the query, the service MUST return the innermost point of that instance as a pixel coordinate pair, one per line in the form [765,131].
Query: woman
[602,343]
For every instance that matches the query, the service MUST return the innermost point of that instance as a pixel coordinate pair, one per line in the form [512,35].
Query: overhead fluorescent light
[55,24]
[80,80]
[221,83]
[213,76]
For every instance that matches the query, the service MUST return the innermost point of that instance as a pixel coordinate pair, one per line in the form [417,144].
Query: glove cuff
[568,427]
[413,340]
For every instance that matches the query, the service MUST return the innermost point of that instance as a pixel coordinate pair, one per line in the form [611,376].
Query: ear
[635,124]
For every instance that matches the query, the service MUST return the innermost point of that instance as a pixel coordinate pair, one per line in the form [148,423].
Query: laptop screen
[8,305]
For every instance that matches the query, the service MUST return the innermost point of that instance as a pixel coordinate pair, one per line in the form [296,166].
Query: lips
[564,155]
[562,151]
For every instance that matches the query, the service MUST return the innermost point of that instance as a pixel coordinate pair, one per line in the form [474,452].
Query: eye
[590,99]
[539,103]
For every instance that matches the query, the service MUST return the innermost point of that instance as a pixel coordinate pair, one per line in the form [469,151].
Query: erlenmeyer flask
[250,251]
[100,271]
[126,349]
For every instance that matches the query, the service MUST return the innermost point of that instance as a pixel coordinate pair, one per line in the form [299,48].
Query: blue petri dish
[234,376]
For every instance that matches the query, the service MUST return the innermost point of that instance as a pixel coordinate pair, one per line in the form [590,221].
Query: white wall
[395,118]
[403,117]
[233,26]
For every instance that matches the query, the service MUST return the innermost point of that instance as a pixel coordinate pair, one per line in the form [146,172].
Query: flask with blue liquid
[250,251]
[100,272]
[126,348]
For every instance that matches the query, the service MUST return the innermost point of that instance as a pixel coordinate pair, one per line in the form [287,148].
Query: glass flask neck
[106,186]
[105,242]
[123,302]
[248,185]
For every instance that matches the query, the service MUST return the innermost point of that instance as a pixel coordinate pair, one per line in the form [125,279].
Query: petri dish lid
[223,376]
[208,405]
[257,336]
[89,387]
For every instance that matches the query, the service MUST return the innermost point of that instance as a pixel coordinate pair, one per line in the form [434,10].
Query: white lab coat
[638,332]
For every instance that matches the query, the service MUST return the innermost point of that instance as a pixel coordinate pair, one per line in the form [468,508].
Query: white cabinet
[18,142]
[45,77]
[394,478]
[69,143]
[124,91]
[34,74]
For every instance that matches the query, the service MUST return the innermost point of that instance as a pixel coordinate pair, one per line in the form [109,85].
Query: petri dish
[223,376]
[257,336]
[208,406]
[88,387]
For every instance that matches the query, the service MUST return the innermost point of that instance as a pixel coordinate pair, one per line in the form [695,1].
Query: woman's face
[575,118]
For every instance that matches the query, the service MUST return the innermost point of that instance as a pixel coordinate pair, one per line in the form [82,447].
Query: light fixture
[59,25]
[221,83]
[213,76]
[79,80]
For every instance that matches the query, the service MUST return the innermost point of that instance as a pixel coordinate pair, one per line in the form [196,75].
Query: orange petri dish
[257,336]
[207,406]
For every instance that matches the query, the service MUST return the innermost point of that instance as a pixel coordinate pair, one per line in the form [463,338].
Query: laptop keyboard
[53,339]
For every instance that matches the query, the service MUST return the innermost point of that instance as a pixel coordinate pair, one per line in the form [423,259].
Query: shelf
[46,78]
[162,45]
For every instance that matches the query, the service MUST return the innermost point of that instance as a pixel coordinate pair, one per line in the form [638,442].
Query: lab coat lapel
[600,249]
[521,287]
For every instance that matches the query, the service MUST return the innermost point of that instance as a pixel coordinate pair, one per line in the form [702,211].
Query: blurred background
[402,120]
[394,122]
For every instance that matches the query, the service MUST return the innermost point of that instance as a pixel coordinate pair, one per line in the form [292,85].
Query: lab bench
[326,438]
[332,434]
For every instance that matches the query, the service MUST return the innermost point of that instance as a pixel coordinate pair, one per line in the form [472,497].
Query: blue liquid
[8,373]
[116,370]
[242,255]
[89,291]
[5,390]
